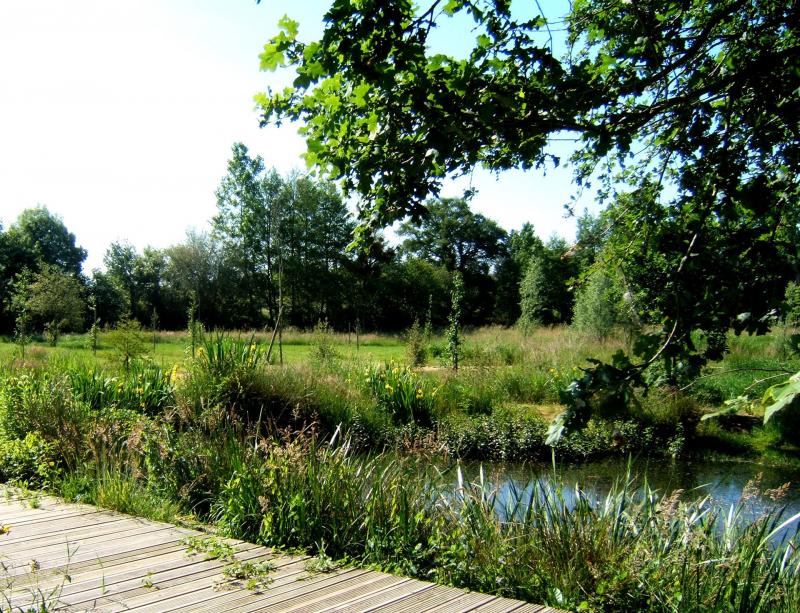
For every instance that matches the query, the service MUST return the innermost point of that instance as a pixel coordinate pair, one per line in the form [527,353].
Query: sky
[119,117]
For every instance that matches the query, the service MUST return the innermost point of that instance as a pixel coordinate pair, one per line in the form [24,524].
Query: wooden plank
[212,599]
[51,531]
[126,585]
[402,589]
[116,562]
[178,583]
[22,517]
[466,602]
[424,600]
[62,542]
[338,593]
[243,601]
[236,597]
[105,576]
[60,559]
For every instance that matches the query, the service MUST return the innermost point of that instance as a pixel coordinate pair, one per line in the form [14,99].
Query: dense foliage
[277,245]
[686,113]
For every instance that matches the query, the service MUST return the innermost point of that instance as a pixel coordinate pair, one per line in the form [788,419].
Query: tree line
[277,246]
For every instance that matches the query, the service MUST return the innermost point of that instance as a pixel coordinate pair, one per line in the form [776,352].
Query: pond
[723,482]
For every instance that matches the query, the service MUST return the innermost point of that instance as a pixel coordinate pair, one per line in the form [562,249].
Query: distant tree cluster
[278,245]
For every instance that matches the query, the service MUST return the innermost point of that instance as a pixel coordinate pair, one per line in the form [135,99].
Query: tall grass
[629,550]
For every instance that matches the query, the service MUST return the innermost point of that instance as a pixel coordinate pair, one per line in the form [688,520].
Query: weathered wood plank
[94,560]
[423,600]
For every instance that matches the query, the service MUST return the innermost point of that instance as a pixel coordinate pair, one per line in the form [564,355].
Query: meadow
[350,452]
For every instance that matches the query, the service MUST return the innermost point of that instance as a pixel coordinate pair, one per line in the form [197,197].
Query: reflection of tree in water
[723,483]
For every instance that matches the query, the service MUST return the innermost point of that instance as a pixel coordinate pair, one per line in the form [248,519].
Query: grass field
[173,348]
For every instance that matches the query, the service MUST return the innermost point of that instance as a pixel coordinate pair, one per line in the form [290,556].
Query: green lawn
[171,348]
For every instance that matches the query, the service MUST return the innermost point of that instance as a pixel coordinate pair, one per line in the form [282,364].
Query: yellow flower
[420,393]
[389,388]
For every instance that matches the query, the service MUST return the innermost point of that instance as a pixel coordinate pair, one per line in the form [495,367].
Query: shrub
[30,460]
[416,352]
[473,393]
[596,306]
[41,401]
[128,341]
[226,374]
[323,344]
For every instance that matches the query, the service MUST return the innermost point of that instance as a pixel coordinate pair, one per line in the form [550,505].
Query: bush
[602,305]
[144,388]
[323,345]
[416,352]
[31,461]
[596,306]
[42,401]
[128,341]
[226,374]
[473,394]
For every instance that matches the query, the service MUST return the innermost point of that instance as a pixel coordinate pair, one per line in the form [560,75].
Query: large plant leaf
[780,396]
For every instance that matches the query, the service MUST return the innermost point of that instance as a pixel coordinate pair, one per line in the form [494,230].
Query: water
[723,482]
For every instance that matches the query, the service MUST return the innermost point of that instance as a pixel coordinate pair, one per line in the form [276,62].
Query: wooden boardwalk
[79,558]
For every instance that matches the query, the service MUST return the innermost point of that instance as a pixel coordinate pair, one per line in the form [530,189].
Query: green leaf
[290,26]
[271,57]
[781,396]
[358,94]
[452,6]
[484,41]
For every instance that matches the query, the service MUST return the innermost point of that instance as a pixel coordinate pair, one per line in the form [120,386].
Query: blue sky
[119,117]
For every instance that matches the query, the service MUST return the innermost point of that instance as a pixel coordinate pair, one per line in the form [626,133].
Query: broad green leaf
[484,41]
[780,396]
[271,57]
[452,6]
[290,26]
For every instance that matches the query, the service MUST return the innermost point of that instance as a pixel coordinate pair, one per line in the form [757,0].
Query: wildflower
[389,388]
[420,393]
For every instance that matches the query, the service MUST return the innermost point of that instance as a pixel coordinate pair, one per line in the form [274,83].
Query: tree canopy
[685,111]
[390,117]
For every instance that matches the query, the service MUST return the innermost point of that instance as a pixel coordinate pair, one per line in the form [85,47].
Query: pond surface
[723,482]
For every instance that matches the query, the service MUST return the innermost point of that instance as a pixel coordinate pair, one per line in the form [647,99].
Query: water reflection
[724,483]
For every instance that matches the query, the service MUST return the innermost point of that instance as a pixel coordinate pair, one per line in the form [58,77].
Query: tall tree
[315,228]
[199,267]
[40,238]
[452,236]
[55,302]
[37,239]
[243,223]
[121,262]
[545,292]
[111,300]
